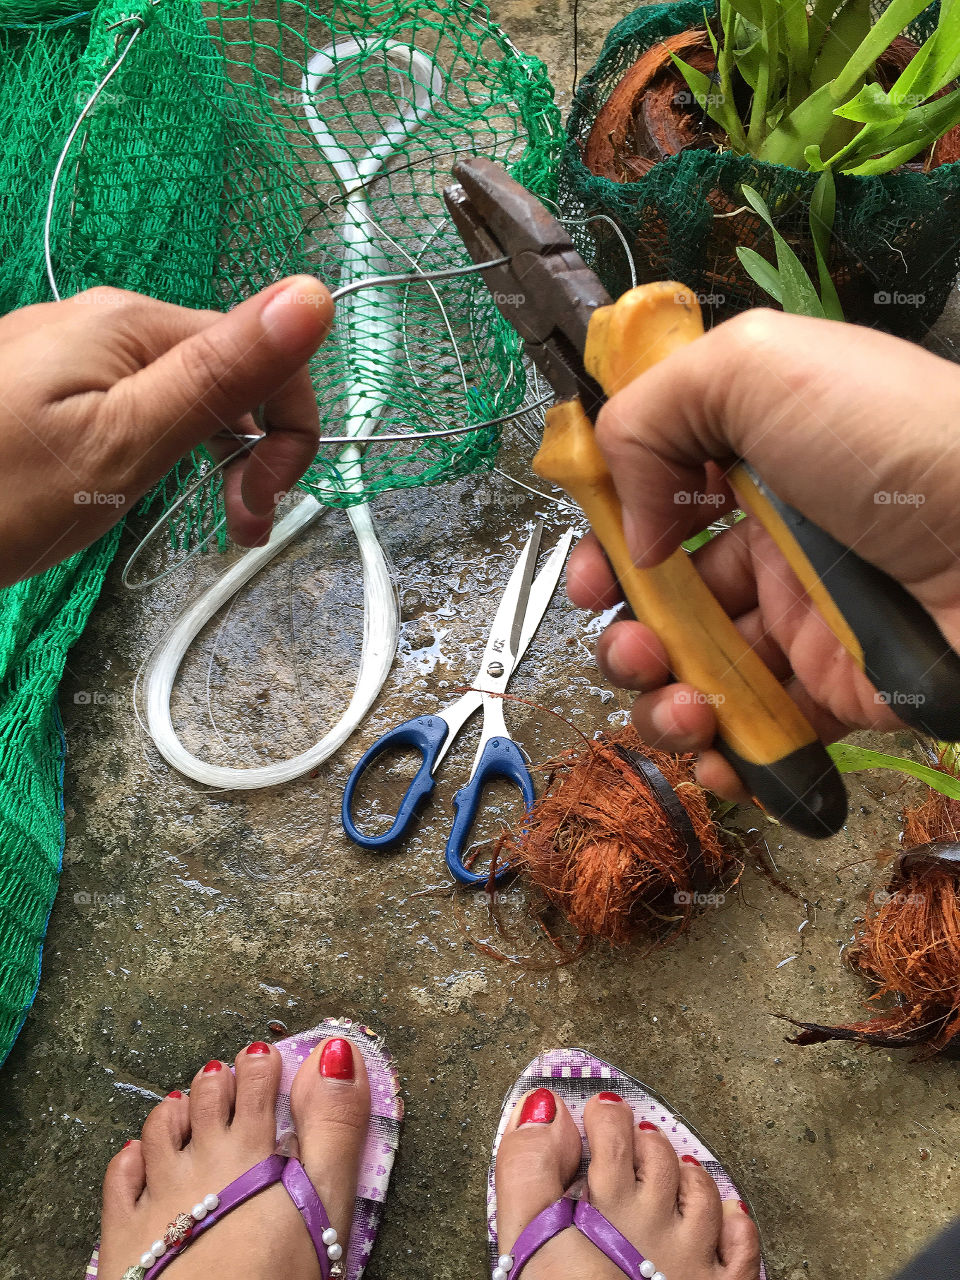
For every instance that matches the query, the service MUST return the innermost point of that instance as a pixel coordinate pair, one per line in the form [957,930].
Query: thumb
[215,376]
[829,415]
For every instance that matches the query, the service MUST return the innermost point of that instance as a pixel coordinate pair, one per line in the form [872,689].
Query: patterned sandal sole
[575,1076]
[383,1136]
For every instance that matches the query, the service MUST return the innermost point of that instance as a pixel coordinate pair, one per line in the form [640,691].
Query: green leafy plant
[788,282]
[809,81]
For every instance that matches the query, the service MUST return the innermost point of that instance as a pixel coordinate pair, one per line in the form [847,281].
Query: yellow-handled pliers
[589,348]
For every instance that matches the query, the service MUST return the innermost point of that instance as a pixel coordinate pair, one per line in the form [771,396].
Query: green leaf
[761,272]
[813,158]
[851,759]
[871,105]
[921,127]
[881,35]
[752,10]
[798,296]
[823,210]
[715,103]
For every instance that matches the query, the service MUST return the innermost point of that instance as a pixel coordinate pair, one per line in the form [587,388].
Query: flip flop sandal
[575,1076]
[386,1116]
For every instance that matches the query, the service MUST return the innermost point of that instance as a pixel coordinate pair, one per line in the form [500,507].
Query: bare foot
[669,1210]
[193,1146]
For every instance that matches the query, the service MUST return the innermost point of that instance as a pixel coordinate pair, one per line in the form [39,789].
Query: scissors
[522,606]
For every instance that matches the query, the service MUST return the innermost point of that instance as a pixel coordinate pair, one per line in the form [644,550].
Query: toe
[698,1201]
[658,1168]
[330,1099]
[537,1160]
[165,1130]
[211,1102]
[609,1125]
[739,1245]
[123,1184]
[258,1069]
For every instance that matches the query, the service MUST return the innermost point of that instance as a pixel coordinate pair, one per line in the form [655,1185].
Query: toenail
[174,1093]
[336,1060]
[647,1127]
[258,1047]
[744,1207]
[539,1108]
[691,1160]
[609,1097]
[212,1065]
[126,1144]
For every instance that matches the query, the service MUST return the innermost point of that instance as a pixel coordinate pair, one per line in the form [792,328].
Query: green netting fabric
[216,158]
[896,236]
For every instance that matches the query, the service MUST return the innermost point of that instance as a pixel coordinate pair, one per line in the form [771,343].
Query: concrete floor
[216,916]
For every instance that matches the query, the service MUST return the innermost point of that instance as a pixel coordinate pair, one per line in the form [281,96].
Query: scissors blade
[503,642]
[541,593]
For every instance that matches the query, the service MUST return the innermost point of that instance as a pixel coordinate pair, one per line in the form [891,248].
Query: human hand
[104,392]
[855,429]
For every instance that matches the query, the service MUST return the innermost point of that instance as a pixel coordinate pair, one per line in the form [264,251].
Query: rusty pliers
[589,348]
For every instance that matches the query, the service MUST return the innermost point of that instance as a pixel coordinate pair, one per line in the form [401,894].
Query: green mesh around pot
[897,238]
[196,178]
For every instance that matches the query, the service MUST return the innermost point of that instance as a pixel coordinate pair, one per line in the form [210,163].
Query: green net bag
[212,149]
[896,247]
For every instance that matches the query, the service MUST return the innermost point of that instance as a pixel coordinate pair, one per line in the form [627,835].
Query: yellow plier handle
[761,731]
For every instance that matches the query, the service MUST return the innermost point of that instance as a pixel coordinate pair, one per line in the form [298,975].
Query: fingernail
[539,1108]
[212,1065]
[258,1047]
[647,1127]
[609,1097]
[280,315]
[126,1144]
[691,1160]
[336,1060]
[174,1093]
[745,1208]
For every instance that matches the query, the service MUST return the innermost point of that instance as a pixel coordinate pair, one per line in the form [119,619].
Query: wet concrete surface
[189,923]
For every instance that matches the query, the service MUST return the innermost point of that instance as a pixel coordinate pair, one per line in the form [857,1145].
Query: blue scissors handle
[501,758]
[427,734]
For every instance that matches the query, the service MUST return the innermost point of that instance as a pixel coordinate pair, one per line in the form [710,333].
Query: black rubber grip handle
[803,790]
[905,654]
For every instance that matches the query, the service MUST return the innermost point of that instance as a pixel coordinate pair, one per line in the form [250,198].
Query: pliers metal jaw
[546,290]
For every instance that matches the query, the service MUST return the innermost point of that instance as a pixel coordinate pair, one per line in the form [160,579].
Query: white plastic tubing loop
[370,334]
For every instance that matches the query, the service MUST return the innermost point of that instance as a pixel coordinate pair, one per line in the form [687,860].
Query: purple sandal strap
[555,1218]
[251,1183]
[602,1233]
[310,1207]
[298,1186]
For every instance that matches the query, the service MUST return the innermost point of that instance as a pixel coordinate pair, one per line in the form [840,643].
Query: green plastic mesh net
[220,147]
[896,236]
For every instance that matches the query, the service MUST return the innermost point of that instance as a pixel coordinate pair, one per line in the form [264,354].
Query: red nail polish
[744,1207]
[539,1108]
[174,1093]
[258,1047]
[647,1127]
[609,1097]
[126,1144]
[336,1060]
[691,1160]
[212,1066]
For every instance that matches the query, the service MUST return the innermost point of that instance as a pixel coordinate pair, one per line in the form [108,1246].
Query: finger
[590,580]
[631,656]
[765,386]
[215,376]
[675,718]
[243,527]
[292,423]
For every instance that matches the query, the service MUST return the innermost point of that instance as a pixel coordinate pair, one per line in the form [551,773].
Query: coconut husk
[622,840]
[909,947]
